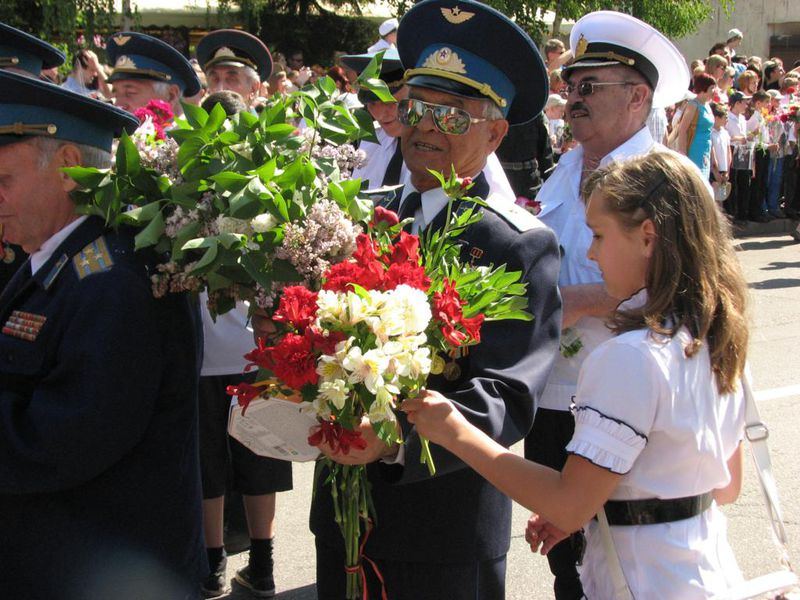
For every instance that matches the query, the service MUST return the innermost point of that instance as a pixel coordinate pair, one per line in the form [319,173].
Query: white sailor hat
[605,38]
[388,26]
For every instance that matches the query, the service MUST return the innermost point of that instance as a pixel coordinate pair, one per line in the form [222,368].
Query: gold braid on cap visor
[28,129]
[230,59]
[133,71]
[483,88]
[8,61]
[625,60]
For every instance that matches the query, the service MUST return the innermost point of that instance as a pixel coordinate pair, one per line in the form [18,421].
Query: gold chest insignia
[580,47]
[121,40]
[456,16]
[445,59]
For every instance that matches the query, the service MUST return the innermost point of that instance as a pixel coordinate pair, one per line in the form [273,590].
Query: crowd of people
[611,173]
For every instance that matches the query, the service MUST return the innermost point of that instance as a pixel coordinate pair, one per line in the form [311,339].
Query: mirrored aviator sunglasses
[449,120]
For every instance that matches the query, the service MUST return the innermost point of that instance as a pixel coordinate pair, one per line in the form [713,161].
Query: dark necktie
[409,207]
[392,175]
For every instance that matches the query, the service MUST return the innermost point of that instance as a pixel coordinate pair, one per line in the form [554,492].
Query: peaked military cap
[23,51]
[391,70]
[139,56]
[231,46]
[30,107]
[466,48]
[605,38]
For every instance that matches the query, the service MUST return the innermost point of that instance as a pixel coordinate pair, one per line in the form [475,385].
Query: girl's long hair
[694,279]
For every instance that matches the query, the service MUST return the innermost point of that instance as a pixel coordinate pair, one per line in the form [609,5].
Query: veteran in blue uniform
[470,72]
[146,68]
[99,479]
[27,55]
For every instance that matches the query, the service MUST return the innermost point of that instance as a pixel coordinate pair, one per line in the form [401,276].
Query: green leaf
[195,115]
[86,177]
[267,171]
[150,235]
[207,260]
[216,118]
[186,233]
[327,84]
[142,214]
[229,181]
[127,162]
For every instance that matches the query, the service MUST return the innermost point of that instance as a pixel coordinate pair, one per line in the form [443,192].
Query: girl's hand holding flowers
[435,417]
[369,449]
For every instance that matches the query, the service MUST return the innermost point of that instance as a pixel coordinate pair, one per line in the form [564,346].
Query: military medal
[8,254]
[451,371]
[24,325]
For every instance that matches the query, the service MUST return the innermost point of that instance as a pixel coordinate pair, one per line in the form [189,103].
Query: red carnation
[260,357]
[293,363]
[406,273]
[384,215]
[341,275]
[298,307]
[406,248]
[472,326]
[324,344]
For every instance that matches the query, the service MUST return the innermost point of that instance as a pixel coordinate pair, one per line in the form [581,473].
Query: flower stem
[425,456]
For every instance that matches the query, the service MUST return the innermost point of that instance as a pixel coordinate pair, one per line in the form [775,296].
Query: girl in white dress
[659,413]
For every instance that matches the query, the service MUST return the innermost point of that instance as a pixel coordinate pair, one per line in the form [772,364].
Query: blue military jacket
[99,475]
[456,516]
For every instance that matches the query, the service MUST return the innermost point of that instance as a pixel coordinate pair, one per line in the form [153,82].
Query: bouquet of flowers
[241,206]
[400,309]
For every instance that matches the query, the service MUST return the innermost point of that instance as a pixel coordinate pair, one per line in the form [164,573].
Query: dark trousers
[758,187]
[791,174]
[413,580]
[739,200]
[546,444]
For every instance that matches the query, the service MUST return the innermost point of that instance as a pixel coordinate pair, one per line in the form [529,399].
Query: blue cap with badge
[23,51]
[234,47]
[140,56]
[30,107]
[466,48]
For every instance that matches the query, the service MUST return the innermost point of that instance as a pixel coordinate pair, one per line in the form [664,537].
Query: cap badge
[456,16]
[580,47]
[125,62]
[224,52]
[121,40]
[445,59]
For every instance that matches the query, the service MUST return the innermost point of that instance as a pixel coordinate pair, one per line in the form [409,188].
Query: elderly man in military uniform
[235,61]
[145,68]
[27,55]
[471,71]
[622,68]
[99,483]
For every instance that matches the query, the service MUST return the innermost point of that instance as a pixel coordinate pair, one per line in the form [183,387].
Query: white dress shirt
[43,254]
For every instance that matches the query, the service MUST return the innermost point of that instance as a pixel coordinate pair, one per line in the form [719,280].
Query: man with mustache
[622,68]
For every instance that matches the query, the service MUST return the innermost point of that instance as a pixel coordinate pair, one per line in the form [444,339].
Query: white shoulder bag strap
[621,589]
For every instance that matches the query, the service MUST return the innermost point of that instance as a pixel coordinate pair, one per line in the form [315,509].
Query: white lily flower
[367,368]
[330,368]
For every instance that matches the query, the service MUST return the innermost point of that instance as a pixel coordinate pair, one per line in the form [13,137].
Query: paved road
[772,267]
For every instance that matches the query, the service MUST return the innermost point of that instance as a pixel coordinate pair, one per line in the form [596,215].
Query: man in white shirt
[388,33]
[607,108]
[742,158]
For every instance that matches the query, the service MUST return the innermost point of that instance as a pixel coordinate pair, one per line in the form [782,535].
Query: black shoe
[261,587]
[215,584]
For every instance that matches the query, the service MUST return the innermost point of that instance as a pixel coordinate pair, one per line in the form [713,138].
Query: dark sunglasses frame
[587,88]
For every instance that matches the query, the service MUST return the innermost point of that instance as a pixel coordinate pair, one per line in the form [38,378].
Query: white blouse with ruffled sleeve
[644,410]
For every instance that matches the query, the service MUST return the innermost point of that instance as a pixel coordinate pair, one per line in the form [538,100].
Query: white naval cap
[388,26]
[605,38]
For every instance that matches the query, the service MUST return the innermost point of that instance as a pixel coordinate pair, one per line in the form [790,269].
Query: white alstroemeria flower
[330,307]
[263,223]
[335,392]
[367,368]
[382,408]
[330,368]
[319,407]
[413,364]
[405,311]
